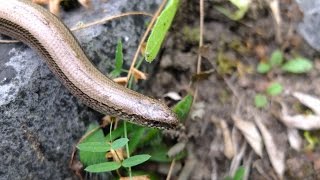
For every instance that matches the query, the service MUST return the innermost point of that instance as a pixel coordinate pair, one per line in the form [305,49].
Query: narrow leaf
[103,167]
[182,108]
[135,160]
[298,65]
[250,132]
[160,30]
[119,143]
[119,60]
[94,147]
[276,154]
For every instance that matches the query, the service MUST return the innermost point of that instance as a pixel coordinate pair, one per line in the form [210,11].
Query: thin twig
[8,41]
[200,46]
[173,162]
[103,20]
[153,20]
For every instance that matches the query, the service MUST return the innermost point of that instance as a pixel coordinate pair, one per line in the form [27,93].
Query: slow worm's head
[154,113]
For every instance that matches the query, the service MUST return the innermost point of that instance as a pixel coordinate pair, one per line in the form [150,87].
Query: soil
[233,50]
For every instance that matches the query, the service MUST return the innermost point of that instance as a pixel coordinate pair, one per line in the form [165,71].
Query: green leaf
[159,154]
[160,30]
[115,133]
[239,173]
[103,167]
[276,58]
[298,65]
[89,158]
[119,60]
[119,143]
[312,140]
[182,108]
[135,160]
[260,101]
[263,68]
[94,147]
[274,89]
[152,137]
[135,139]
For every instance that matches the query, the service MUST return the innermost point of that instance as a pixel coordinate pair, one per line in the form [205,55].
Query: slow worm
[42,31]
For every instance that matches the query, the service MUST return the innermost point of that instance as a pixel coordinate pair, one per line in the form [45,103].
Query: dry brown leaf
[142,177]
[276,155]
[309,101]
[54,7]
[138,74]
[116,155]
[121,80]
[228,144]
[250,132]
[106,120]
[294,138]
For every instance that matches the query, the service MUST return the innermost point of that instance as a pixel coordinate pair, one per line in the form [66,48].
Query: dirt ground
[233,51]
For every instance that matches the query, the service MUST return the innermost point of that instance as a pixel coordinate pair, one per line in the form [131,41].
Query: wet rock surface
[40,120]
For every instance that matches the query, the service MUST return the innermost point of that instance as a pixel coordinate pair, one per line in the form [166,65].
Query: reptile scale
[45,33]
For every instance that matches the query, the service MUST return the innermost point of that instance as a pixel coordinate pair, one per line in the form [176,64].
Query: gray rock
[309,27]
[40,121]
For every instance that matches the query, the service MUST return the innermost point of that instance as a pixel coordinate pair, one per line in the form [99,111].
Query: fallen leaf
[138,74]
[250,132]
[309,101]
[294,138]
[229,150]
[237,159]
[121,80]
[116,155]
[305,122]
[276,155]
